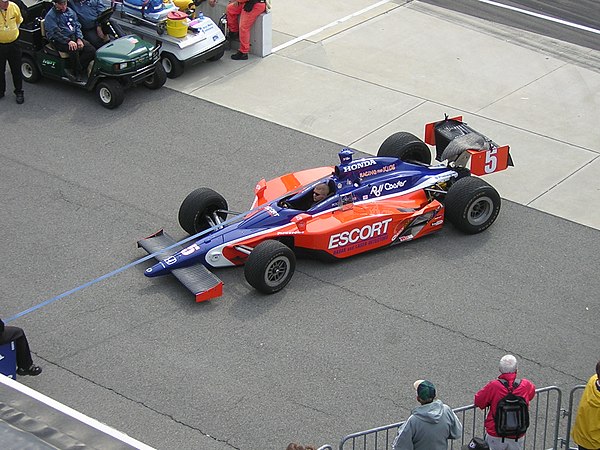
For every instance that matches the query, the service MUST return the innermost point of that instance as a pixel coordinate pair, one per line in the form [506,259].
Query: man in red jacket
[493,392]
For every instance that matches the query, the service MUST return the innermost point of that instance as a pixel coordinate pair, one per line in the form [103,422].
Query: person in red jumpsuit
[241,15]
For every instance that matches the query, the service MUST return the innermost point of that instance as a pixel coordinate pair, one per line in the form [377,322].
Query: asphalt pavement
[338,349]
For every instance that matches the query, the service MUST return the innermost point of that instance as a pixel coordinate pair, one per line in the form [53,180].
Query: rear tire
[173,67]
[29,70]
[270,266]
[472,205]
[406,147]
[198,207]
[110,93]
[218,56]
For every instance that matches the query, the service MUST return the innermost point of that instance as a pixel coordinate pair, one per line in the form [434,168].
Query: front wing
[197,278]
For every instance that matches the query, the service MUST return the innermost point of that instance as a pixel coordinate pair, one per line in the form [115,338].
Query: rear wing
[457,142]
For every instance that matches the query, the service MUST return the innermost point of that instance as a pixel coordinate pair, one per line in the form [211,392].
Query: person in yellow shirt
[586,432]
[10,19]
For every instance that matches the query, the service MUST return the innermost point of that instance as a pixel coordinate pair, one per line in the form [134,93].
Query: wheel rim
[277,271]
[105,95]
[26,70]
[480,211]
[167,65]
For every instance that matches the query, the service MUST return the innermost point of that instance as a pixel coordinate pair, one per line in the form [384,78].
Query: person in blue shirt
[63,30]
[88,12]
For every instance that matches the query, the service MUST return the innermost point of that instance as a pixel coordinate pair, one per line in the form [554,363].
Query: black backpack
[512,413]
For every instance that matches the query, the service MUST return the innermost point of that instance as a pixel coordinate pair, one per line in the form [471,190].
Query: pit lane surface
[335,352]
[577,22]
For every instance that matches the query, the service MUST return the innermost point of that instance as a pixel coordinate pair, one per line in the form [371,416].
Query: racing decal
[408,237]
[376,190]
[271,210]
[437,222]
[384,169]
[359,165]
[357,237]
[490,161]
[189,250]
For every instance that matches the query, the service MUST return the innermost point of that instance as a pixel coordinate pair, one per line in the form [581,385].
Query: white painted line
[74,414]
[332,24]
[541,16]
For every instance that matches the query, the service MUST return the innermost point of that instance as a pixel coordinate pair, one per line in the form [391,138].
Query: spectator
[493,392]
[430,425]
[586,432]
[25,364]
[64,31]
[88,12]
[10,19]
[241,15]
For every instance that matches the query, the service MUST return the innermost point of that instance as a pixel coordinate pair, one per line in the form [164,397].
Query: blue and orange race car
[337,211]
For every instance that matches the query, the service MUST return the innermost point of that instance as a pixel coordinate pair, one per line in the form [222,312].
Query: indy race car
[336,211]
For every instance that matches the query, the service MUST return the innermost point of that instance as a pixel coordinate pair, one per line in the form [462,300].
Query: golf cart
[193,37]
[119,64]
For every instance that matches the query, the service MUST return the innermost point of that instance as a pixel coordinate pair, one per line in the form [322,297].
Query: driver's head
[320,192]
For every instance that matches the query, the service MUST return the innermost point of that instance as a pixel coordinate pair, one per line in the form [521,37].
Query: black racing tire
[217,56]
[406,147]
[29,70]
[110,93]
[472,205]
[198,206]
[173,67]
[270,266]
[157,79]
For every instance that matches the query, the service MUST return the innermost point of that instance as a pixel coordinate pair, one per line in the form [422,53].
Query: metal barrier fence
[544,411]
[570,414]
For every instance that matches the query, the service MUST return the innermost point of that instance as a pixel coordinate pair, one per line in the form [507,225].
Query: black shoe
[20,97]
[33,371]
[239,56]
[233,36]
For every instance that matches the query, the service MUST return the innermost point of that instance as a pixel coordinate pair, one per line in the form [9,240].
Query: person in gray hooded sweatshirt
[430,425]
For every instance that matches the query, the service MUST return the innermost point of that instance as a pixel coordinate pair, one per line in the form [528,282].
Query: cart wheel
[218,56]
[157,79]
[270,266]
[29,70]
[173,67]
[110,93]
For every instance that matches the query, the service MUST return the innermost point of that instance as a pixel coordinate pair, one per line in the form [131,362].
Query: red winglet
[214,292]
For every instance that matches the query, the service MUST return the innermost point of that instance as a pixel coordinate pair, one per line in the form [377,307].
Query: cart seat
[49,48]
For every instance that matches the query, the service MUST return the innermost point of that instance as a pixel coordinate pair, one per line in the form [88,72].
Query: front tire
[406,147]
[173,67]
[472,205]
[270,266]
[198,211]
[29,70]
[110,93]
[157,79]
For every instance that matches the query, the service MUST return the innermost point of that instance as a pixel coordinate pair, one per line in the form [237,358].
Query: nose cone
[156,270]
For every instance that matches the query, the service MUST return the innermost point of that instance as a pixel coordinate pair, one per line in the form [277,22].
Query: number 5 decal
[494,160]
[491,161]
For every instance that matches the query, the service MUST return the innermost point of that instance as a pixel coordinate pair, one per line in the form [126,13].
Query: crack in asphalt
[437,325]
[142,404]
